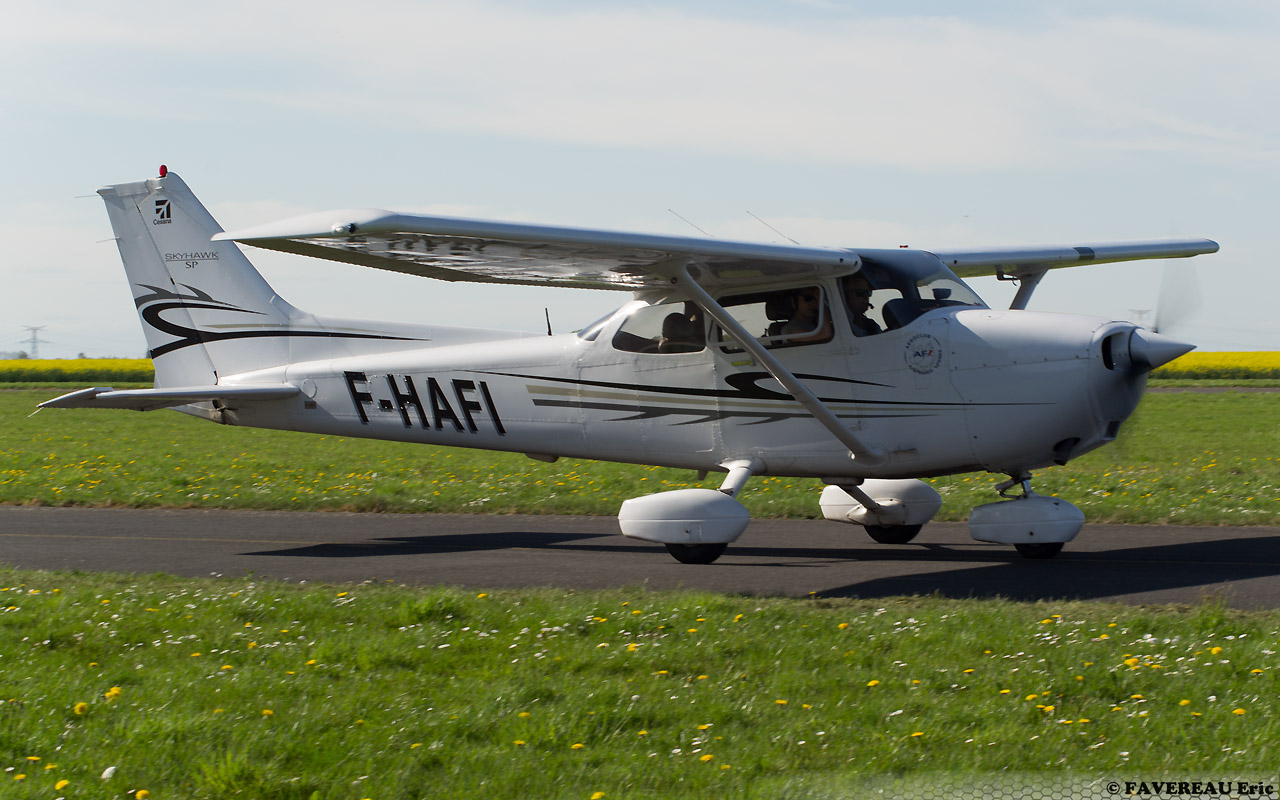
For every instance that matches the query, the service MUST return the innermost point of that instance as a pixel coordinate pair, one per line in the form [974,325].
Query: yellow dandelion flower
[1256,671]
[1184,702]
[1215,650]
[62,784]
[703,727]
[342,594]
[524,715]
[141,794]
[577,746]
[519,742]
[50,766]
[724,766]
[873,683]
[20,777]
[482,595]
[843,625]
[415,745]
[707,757]
[266,712]
[597,796]
[917,734]
[780,702]
[642,733]
[80,708]
[1237,711]
[1005,691]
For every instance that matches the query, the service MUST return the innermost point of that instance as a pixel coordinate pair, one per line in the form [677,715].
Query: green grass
[1185,458]
[378,691]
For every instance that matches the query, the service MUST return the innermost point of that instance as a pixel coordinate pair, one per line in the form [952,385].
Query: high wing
[457,249]
[1018,261]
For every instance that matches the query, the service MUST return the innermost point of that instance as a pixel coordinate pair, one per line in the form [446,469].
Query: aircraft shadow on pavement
[1213,565]
[423,545]
[995,571]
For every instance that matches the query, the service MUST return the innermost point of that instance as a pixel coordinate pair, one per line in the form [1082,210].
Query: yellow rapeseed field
[133,370]
[1265,364]
[1248,365]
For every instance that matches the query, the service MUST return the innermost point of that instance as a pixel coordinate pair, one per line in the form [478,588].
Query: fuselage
[956,389]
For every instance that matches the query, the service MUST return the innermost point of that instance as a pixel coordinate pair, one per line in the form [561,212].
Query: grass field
[1184,458]
[221,688]
[239,688]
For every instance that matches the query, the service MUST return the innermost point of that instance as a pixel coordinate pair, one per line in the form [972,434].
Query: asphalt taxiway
[1120,563]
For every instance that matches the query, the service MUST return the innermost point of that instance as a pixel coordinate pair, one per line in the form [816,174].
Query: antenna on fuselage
[690,224]
[770,227]
[547,312]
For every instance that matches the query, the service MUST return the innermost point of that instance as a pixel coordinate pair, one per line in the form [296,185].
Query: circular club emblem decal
[923,354]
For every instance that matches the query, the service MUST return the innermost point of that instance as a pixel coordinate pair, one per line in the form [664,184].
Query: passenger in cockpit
[808,311]
[857,298]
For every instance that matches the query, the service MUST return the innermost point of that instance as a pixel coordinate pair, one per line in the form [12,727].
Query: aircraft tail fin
[204,308]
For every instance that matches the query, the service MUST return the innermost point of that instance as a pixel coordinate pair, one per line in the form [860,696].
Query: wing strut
[862,454]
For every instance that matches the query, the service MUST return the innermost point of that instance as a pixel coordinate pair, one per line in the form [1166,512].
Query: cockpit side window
[663,328]
[781,318]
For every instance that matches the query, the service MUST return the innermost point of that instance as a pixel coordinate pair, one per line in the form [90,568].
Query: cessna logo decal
[469,399]
[164,213]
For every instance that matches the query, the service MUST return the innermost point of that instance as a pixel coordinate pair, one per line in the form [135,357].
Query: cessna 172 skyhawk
[867,369]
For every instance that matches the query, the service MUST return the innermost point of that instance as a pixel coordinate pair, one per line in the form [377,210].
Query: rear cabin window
[780,318]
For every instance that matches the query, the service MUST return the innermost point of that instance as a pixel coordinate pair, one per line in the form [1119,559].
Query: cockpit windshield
[903,289]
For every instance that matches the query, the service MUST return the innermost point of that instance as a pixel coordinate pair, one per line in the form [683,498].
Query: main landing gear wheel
[1039,549]
[892,534]
[697,553]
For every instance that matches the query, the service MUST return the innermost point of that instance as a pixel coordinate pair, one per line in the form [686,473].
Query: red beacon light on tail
[163,170]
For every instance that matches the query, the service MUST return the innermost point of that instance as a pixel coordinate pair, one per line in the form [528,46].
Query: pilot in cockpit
[857,297]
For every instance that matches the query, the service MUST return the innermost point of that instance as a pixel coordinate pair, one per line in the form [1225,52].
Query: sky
[845,124]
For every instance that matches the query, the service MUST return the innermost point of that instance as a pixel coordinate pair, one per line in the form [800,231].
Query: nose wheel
[1036,526]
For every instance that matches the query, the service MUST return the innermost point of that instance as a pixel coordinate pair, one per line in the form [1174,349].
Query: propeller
[1179,297]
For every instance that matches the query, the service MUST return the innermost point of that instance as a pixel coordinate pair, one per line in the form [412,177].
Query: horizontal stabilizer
[151,399]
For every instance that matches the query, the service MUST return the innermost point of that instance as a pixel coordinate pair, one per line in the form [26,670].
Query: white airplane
[867,369]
